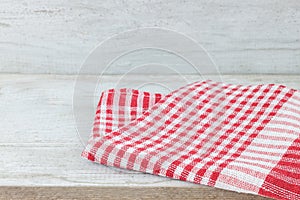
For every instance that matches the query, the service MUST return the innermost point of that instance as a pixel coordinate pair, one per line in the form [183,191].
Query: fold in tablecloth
[239,138]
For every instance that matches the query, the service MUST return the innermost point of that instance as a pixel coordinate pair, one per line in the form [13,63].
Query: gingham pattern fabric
[234,137]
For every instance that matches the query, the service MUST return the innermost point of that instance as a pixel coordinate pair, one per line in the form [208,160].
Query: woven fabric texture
[234,137]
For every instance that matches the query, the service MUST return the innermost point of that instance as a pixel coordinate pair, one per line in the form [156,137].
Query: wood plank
[121,193]
[40,146]
[242,37]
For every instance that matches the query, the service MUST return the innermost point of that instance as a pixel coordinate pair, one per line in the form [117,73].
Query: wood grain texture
[122,193]
[40,146]
[56,36]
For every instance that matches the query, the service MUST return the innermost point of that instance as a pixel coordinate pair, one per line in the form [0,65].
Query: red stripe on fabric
[146,101]
[233,181]
[275,186]
[122,107]
[291,117]
[186,90]
[239,135]
[170,171]
[217,172]
[155,152]
[272,137]
[133,104]
[235,139]
[110,148]
[91,156]
[109,113]
[254,173]
[100,103]
[201,171]
[294,104]
[293,110]
[263,152]
[269,146]
[104,157]
[163,126]
[281,130]
[256,164]
[134,121]
[266,160]
[189,166]
[92,152]
[281,170]
[157,97]
[286,123]
[96,124]
[146,159]
[297,97]
[276,192]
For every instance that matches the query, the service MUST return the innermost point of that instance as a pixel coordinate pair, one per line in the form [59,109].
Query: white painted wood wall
[39,142]
[43,44]
[54,37]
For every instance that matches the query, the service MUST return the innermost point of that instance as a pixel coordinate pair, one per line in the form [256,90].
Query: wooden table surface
[40,147]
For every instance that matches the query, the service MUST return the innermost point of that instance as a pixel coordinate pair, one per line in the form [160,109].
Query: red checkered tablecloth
[234,137]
